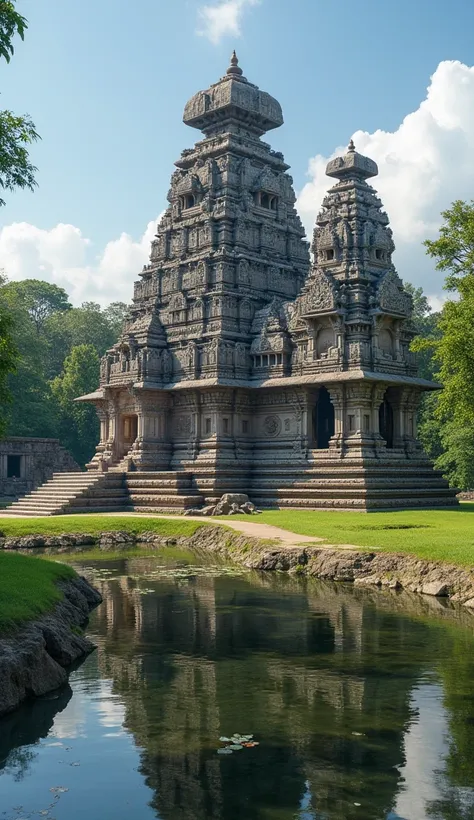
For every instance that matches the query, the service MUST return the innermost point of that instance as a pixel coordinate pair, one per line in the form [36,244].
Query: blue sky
[106,82]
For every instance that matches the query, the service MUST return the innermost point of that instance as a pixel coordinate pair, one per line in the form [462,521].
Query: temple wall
[25,463]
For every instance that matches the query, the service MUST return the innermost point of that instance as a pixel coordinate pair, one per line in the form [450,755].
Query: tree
[40,299]
[17,133]
[454,248]
[426,326]
[8,361]
[115,314]
[31,412]
[453,347]
[11,23]
[78,423]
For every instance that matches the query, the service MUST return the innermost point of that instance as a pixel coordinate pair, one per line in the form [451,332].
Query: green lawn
[445,535]
[95,524]
[27,588]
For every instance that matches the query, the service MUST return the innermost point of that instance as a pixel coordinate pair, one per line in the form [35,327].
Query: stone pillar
[152,447]
[359,421]
[106,448]
[410,420]
[336,393]
[378,393]
[397,397]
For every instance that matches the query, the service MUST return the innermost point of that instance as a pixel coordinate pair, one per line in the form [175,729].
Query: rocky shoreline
[34,660]
[396,571]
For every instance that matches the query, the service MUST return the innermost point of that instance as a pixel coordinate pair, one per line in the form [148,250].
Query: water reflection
[363,703]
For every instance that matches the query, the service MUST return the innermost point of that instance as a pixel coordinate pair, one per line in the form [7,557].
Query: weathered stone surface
[437,588]
[114,540]
[27,462]
[40,541]
[34,660]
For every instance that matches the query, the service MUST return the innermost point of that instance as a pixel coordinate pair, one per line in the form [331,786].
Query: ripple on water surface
[221,694]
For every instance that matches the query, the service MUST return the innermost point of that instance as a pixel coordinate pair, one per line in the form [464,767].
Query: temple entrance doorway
[386,422]
[323,420]
[129,432]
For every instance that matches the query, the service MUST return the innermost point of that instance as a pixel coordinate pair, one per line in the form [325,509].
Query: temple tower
[243,365]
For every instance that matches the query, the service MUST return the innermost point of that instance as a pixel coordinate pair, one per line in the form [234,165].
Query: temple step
[73,493]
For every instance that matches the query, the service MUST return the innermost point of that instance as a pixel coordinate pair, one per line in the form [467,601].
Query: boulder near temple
[245,366]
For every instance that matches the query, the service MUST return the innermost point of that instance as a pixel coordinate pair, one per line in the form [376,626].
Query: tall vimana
[247,365]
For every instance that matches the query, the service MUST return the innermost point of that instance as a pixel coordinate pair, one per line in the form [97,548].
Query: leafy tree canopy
[11,23]
[8,362]
[450,428]
[454,248]
[79,425]
[17,132]
[40,299]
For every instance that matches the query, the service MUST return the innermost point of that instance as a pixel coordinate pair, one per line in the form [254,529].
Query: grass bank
[437,535]
[27,588]
[95,524]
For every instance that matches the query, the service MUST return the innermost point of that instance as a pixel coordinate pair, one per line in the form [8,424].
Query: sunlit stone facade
[245,365]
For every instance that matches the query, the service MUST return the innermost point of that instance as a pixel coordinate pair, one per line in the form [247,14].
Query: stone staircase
[74,493]
[114,491]
[352,485]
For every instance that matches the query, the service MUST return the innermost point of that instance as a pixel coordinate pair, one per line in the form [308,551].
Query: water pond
[221,694]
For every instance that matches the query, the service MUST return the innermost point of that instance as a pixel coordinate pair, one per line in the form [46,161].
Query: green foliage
[449,430]
[11,23]
[8,362]
[78,426]
[454,248]
[39,299]
[28,588]
[426,326]
[88,323]
[17,133]
[45,329]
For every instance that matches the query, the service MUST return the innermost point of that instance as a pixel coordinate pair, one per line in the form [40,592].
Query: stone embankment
[396,571]
[34,659]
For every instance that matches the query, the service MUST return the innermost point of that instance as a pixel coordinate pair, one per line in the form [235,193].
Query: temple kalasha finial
[351,147]
[234,68]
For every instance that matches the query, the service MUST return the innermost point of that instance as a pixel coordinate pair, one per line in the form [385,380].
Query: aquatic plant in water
[236,743]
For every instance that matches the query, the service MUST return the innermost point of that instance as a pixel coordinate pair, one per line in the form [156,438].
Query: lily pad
[224,751]
[224,739]
[235,747]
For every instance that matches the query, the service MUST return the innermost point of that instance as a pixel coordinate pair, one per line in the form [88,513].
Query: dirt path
[253,528]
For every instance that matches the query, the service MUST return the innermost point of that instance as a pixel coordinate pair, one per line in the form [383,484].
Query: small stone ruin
[229,504]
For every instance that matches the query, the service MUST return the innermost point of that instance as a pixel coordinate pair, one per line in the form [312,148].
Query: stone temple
[248,366]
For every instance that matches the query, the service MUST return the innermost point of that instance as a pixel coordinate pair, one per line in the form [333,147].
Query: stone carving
[391,296]
[271,426]
[319,295]
[184,425]
[233,328]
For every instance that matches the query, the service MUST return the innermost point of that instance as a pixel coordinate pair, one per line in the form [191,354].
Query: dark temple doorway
[323,420]
[386,422]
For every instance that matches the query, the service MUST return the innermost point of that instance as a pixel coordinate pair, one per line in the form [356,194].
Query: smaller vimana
[247,366]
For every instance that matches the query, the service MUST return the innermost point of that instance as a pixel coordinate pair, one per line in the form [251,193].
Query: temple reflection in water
[321,676]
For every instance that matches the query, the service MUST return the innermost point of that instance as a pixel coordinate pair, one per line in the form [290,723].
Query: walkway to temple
[252,528]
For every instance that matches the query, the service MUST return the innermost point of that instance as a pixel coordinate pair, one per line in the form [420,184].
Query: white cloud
[425,164]
[222,19]
[61,255]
